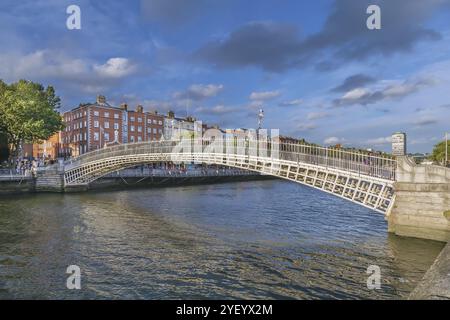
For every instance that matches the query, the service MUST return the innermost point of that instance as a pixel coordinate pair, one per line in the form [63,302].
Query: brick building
[92,126]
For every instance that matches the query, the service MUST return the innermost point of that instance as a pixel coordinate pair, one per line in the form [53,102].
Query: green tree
[28,113]
[438,153]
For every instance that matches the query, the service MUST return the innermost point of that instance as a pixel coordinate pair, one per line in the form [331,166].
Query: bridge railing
[381,166]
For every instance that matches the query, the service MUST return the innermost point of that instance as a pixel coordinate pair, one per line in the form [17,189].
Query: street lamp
[446,148]
[260,118]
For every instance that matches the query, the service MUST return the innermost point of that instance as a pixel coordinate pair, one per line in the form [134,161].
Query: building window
[149,121]
[154,130]
[132,119]
[149,130]
[96,136]
[139,129]
[116,126]
[106,136]
[139,139]
[139,119]
[116,116]
[160,122]
[106,124]
[132,138]
[132,128]
[106,114]
[95,124]
[96,113]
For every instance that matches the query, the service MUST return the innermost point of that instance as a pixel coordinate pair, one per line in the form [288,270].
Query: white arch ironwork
[361,178]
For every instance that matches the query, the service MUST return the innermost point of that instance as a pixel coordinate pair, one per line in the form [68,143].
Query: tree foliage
[28,113]
[438,153]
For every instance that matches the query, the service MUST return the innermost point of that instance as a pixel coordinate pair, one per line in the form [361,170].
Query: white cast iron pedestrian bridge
[358,177]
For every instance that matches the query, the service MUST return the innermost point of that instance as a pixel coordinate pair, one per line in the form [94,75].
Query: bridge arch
[362,179]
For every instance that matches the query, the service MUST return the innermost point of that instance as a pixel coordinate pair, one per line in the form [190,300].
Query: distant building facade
[399,144]
[176,128]
[92,126]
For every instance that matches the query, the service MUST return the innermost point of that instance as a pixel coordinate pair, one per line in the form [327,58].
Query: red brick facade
[92,126]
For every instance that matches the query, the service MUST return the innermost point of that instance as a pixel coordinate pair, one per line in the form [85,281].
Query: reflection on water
[265,239]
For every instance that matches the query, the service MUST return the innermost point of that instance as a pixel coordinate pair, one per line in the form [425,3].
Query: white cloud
[295,102]
[384,90]
[306,126]
[218,109]
[355,94]
[265,95]
[115,68]
[42,65]
[317,115]
[199,92]
[379,141]
[333,140]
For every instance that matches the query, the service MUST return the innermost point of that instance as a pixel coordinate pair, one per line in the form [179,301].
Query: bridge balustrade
[372,165]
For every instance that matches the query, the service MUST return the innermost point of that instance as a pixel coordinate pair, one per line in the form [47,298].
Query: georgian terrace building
[92,126]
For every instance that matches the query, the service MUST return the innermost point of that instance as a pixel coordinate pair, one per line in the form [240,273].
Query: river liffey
[245,240]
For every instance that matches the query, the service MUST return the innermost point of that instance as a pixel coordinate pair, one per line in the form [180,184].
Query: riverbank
[17,185]
[435,285]
[27,185]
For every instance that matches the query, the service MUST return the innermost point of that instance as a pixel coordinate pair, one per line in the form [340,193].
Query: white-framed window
[106,125]
[132,118]
[106,136]
[160,122]
[132,128]
[149,121]
[154,130]
[106,114]
[139,129]
[116,116]
[149,130]
[96,113]
[139,139]
[139,119]
[116,126]
[132,138]
[96,136]
[96,125]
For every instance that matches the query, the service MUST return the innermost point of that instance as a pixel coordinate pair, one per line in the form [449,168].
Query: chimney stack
[139,108]
[124,106]
[101,99]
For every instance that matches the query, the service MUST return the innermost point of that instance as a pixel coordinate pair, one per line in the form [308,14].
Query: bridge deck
[361,178]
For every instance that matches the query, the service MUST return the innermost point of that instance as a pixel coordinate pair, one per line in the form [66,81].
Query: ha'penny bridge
[361,178]
[415,199]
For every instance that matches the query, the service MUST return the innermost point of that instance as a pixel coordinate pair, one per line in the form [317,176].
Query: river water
[249,240]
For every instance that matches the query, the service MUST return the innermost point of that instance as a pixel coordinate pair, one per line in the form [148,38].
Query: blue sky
[313,66]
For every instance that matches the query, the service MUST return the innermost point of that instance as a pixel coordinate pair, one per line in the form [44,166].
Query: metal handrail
[381,166]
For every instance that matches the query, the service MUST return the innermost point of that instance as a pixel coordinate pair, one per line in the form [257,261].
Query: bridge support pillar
[422,201]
